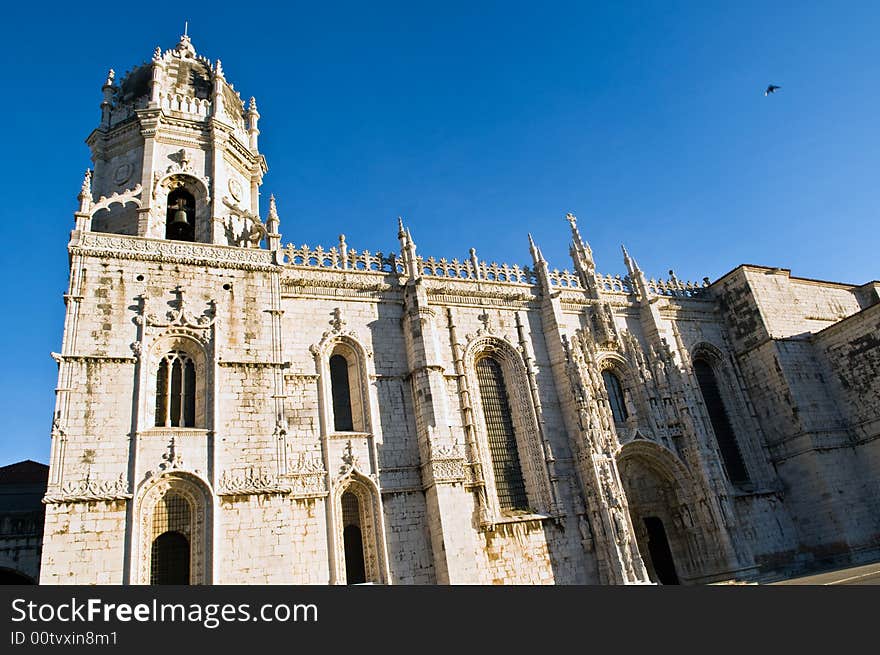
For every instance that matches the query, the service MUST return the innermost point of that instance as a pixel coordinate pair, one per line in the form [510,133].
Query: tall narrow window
[170,549]
[342,418]
[730,454]
[180,218]
[615,396]
[502,438]
[176,391]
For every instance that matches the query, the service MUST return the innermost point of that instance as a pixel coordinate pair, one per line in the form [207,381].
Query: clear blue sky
[478,122]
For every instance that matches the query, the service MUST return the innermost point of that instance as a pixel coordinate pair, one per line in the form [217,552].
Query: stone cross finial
[484,319]
[337,322]
[171,459]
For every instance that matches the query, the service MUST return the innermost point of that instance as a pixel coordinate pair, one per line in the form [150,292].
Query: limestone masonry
[231,410]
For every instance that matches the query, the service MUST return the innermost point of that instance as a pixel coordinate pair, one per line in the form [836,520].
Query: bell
[180,216]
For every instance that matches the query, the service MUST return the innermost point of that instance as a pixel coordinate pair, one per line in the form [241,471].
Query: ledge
[174,432]
[514,519]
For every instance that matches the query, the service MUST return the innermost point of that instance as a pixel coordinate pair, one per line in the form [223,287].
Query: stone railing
[564,279]
[342,258]
[613,283]
[472,270]
[188,104]
[675,287]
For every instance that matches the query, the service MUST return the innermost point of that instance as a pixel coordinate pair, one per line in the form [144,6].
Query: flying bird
[771,89]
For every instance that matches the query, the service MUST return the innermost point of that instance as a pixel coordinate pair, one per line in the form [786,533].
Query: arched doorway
[657,492]
[352,540]
[174,545]
[359,551]
[170,557]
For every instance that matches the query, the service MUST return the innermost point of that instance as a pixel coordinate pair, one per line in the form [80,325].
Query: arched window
[180,217]
[509,482]
[170,549]
[615,396]
[341,392]
[730,454]
[176,391]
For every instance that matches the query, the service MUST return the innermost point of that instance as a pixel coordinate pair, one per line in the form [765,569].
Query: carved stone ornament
[172,459]
[337,324]
[122,198]
[179,252]
[307,478]
[448,464]
[180,317]
[89,489]
[235,189]
[123,172]
[349,460]
[251,482]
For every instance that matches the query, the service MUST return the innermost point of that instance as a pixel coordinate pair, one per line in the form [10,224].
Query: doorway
[658,550]
[352,540]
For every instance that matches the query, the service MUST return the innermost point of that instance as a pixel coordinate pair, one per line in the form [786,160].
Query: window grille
[509,482]
[615,396]
[351,514]
[730,454]
[170,550]
[176,391]
[342,417]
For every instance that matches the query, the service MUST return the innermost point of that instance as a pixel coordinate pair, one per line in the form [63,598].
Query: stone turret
[176,154]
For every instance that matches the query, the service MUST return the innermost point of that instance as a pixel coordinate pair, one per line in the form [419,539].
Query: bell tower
[176,154]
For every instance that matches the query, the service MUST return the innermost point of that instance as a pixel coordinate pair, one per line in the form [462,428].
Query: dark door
[658,549]
[169,563]
[355,571]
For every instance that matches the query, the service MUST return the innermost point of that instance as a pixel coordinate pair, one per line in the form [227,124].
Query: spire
[542,273]
[579,244]
[107,100]
[582,256]
[185,46]
[631,265]
[253,117]
[637,278]
[85,193]
[273,238]
[537,256]
[407,249]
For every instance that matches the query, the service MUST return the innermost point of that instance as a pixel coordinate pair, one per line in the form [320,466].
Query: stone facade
[284,414]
